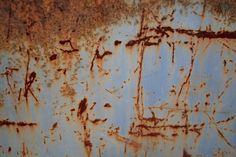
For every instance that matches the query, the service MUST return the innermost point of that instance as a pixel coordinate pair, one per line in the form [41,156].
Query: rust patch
[67,90]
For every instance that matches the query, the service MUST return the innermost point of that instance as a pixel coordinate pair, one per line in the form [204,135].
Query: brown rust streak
[6,122]
[188,77]
[173,53]
[226,120]
[98,56]
[29,82]
[54,126]
[82,107]
[220,132]
[97,121]
[63,42]
[84,117]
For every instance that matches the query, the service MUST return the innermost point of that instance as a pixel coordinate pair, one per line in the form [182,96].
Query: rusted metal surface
[117,78]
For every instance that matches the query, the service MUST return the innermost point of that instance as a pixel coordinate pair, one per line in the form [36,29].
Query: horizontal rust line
[189,110]
[162,31]
[8,123]
[200,33]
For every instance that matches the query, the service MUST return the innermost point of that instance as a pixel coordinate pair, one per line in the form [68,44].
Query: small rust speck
[107,105]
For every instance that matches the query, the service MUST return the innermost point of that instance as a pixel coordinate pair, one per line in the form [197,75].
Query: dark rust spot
[186,154]
[54,126]
[107,105]
[9,149]
[53,57]
[82,107]
[117,42]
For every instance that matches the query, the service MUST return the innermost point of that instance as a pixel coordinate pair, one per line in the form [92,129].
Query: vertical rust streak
[139,79]
[26,76]
[19,94]
[188,77]
[8,82]
[173,53]
[83,117]
[29,82]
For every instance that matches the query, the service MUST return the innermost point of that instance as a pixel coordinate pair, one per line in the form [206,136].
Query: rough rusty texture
[59,71]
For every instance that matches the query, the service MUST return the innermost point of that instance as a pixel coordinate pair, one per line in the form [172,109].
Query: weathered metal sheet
[117,78]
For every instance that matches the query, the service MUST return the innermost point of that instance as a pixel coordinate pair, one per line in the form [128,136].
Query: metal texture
[117,78]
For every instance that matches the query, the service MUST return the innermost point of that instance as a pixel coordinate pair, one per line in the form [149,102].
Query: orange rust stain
[67,90]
